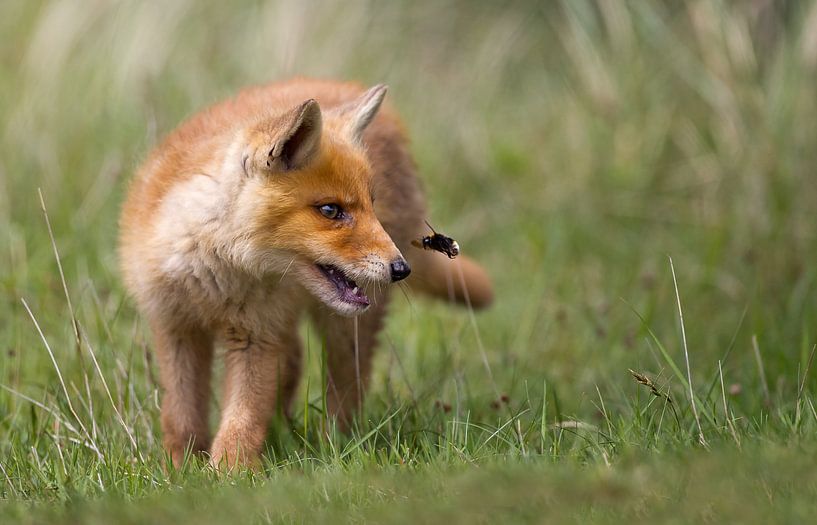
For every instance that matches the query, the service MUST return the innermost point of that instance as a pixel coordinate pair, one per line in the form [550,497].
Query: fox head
[307,202]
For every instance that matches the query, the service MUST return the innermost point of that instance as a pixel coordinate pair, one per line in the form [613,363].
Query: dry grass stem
[701,438]
[767,398]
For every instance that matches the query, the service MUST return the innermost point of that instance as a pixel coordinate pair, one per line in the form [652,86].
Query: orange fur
[222,234]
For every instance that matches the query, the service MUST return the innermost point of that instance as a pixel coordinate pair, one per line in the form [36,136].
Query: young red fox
[292,197]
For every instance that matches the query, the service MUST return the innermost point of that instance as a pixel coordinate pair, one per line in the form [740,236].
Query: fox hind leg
[290,378]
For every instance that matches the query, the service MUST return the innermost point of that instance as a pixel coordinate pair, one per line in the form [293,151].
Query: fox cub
[294,197]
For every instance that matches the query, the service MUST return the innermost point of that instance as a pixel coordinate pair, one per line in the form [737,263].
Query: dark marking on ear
[293,140]
[301,141]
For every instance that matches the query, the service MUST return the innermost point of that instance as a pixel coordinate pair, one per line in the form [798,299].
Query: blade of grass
[664,352]
[62,381]
[762,371]
[701,437]
[726,413]
[728,351]
[803,384]
[113,404]
[74,323]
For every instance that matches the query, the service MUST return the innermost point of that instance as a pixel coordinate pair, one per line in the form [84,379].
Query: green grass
[571,147]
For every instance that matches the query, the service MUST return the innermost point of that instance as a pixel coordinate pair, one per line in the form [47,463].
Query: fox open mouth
[348,290]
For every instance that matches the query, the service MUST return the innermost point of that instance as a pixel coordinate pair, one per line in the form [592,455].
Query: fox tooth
[354,290]
[331,271]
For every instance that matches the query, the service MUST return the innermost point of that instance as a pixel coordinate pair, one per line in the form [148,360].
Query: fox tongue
[354,295]
[348,289]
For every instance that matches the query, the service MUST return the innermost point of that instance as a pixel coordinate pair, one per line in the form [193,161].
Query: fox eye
[331,211]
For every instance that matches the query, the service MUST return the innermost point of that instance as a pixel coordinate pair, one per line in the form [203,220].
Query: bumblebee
[438,242]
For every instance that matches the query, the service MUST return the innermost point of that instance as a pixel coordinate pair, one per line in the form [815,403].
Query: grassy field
[580,150]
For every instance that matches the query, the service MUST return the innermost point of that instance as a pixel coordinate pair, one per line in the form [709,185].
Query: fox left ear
[359,113]
[286,143]
[300,138]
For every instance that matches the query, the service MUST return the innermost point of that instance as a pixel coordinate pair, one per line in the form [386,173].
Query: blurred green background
[570,146]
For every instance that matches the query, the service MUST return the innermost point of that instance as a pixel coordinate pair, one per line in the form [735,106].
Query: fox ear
[288,143]
[359,113]
[300,138]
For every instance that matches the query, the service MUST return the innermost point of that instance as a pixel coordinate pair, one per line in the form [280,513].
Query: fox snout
[400,269]
[383,268]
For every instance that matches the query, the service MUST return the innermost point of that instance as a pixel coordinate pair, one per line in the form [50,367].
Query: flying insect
[438,242]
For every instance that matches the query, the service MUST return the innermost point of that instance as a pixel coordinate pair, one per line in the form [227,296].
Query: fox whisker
[286,270]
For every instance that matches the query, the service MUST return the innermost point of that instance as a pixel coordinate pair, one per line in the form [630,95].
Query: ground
[638,179]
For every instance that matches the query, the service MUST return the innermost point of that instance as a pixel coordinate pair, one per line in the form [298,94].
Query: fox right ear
[359,113]
[289,143]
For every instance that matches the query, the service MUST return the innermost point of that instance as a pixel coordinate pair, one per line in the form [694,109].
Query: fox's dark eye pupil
[330,211]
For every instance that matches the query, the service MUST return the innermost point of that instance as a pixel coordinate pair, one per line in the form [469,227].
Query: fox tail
[460,280]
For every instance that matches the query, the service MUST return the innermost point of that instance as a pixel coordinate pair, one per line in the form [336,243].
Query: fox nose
[399,270]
